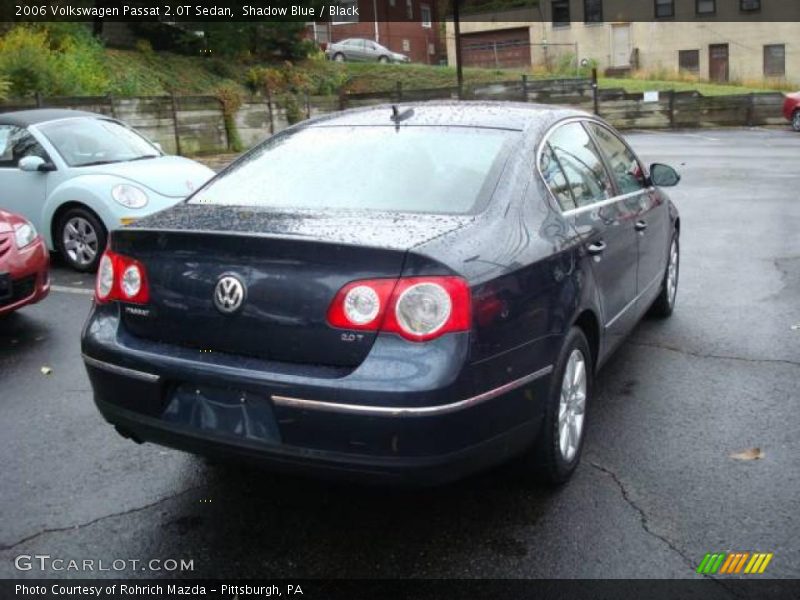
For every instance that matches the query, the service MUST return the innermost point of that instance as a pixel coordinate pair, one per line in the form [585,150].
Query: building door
[718,63]
[621,45]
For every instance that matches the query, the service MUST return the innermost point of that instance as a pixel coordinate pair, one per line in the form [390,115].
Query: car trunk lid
[291,270]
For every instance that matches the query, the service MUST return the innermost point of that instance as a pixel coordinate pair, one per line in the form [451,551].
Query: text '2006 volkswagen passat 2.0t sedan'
[398,293]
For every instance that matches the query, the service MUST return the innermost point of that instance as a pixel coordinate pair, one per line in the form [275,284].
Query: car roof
[24,118]
[497,115]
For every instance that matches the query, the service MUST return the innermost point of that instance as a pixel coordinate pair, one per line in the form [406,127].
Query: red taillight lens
[417,308]
[121,278]
[361,304]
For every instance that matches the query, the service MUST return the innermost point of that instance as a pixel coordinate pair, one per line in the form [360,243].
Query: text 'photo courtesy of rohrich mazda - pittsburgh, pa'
[419,299]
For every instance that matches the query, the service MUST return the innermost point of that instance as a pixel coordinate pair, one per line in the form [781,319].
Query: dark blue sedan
[401,293]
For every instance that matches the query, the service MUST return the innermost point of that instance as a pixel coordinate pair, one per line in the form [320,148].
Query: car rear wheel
[665,302]
[383,59]
[338,57]
[796,120]
[81,239]
[557,450]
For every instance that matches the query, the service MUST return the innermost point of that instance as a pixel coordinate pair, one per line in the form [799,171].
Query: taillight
[417,308]
[361,304]
[121,278]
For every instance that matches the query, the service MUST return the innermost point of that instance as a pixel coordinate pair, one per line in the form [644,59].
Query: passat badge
[229,294]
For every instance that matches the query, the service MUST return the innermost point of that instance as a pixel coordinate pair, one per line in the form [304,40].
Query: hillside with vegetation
[67,60]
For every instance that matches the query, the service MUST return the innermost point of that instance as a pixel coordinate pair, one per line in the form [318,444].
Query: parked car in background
[24,262]
[417,292]
[791,110]
[357,49]
[77,175]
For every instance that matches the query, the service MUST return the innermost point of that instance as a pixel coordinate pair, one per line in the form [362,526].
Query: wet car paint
[526,264]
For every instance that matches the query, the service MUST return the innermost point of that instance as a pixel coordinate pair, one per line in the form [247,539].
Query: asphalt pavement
[657,488]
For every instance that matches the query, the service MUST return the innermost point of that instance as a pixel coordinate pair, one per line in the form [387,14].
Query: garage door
[505,48]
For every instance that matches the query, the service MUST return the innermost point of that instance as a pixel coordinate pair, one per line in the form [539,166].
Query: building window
[561,13]
[689,60]
[775,60]
[392,3]
[406,46]
[425,15]
[431,49]
[750,5]
[410,10]
[348,6]
[665,9]
[705,7]
[592,11]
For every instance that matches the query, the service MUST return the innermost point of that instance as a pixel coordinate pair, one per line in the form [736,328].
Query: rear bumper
[438,422]
[30,278]
[420,470]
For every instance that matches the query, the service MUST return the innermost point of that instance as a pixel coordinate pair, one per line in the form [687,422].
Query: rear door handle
[641,225]
[596,248]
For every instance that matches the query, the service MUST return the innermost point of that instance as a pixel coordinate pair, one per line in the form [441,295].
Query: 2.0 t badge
[229,294]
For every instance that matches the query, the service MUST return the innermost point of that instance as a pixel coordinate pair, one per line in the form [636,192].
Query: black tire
[383,59]
[546,459]
[664,304]
[338,57]
[796,120]
[86,259]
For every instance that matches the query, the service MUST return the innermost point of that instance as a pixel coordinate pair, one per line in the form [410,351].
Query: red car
[24,262]
[791,110]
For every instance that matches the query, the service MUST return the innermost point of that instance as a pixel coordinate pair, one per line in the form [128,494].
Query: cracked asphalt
[656,490]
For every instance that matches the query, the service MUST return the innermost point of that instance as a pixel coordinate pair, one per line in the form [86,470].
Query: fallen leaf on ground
[46,370]
[749,454]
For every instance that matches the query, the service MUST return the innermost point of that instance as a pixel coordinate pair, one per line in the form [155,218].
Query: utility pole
[457,29]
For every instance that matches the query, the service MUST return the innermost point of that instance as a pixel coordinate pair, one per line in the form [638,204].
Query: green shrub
[26,62]
[293,107]
[5,86]
[231,100]
[65,62]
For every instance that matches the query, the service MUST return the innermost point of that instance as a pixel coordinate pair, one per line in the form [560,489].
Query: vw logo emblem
[229,294]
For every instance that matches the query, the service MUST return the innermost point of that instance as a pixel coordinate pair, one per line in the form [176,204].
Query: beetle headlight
[24,234]
[129,196]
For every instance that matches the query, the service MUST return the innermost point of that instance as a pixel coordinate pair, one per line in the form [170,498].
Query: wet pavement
[656,490]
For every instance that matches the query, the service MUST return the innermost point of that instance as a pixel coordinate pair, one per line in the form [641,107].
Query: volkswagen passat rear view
[405,293]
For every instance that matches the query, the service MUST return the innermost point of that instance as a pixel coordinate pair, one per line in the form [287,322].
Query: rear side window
[581,164]
[625,167]
[555,179]
[447,170]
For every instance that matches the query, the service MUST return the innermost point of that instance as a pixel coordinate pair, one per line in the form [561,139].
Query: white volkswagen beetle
[77,175]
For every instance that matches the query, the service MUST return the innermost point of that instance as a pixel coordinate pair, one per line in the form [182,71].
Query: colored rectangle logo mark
[734,563]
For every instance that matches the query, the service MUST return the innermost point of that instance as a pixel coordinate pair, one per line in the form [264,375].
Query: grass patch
[705,88]
[135,73]
[368,77]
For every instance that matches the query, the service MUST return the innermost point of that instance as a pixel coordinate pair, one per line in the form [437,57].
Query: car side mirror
[663,175]
[31,164]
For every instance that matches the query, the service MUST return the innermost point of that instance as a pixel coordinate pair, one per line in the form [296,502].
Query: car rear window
[448,170]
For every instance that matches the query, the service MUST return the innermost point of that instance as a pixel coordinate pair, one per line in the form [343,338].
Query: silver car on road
[358,49]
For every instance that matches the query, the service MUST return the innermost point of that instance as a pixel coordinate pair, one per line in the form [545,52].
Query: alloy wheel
[80,241]
[572,405]
[672,273]
[796,120]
